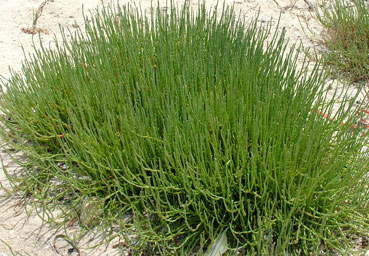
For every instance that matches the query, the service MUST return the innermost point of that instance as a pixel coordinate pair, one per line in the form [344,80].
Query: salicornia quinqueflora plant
[193,123]
[346,37]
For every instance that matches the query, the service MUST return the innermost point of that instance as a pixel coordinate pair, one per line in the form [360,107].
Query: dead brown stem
[309,4]
[37,15]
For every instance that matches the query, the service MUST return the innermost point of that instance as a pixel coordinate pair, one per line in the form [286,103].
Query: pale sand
[26,235]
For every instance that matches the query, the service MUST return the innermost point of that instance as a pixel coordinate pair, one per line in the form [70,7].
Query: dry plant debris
[34,29]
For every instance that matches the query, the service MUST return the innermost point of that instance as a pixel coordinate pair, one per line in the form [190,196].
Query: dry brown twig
[293,3]
[309,4]
[34,30]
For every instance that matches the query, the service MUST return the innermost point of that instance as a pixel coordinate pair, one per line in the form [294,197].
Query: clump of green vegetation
[193,124]
[346,37]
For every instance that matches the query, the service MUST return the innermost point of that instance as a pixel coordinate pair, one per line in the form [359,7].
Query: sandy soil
[25,233]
